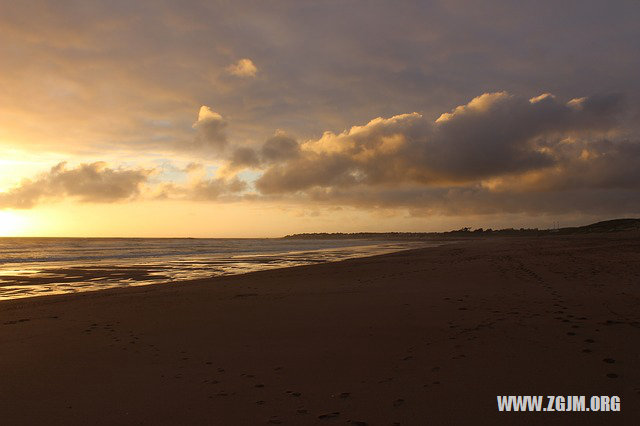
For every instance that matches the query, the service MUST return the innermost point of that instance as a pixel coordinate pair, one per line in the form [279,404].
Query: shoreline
[211,280]
[422,335]
[71,276]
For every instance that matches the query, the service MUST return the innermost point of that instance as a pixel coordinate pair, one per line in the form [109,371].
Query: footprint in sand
[329,415]
[609,360]
[398,402]
[612,375]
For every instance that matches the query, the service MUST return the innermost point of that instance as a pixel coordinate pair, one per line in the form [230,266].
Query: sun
[11,224]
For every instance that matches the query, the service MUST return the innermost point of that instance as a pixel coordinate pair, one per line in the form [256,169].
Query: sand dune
[427,336]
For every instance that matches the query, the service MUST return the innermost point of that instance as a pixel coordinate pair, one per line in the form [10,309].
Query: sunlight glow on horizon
[12,224]
[237,220]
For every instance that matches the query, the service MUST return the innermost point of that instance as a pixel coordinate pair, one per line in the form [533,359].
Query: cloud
[93,182]
[210,131]
[212,189]
[496,153]
[495,134]
[474,199]
[98,183]
[200,187]
[498,133]
[280,147]
[329,66]
[244,157]
[243,68]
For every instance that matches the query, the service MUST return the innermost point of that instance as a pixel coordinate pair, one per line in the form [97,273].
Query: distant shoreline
[614,225]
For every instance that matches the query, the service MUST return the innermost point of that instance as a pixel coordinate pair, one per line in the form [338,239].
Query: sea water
[44,266]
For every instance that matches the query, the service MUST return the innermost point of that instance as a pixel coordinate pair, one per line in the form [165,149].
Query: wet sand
[32,268]
[426,336]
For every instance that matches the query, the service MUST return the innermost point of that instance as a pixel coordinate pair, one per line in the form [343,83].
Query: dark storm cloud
[93,182]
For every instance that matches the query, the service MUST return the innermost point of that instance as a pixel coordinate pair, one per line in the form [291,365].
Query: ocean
[44,266]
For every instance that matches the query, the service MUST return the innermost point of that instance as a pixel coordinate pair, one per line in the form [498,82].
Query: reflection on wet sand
[58,277]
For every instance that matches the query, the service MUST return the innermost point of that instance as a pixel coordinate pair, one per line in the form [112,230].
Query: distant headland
[614,225]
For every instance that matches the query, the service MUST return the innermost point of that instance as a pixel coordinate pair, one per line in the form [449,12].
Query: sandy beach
[426,336]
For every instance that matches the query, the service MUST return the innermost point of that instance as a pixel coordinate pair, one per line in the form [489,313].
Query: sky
[260,119]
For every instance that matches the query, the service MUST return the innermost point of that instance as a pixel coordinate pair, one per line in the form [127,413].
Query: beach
[424,336]
[46,266]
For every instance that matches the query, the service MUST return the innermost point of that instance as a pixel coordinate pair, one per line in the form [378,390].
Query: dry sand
[427,336]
